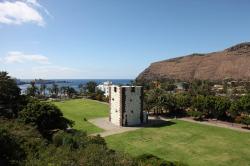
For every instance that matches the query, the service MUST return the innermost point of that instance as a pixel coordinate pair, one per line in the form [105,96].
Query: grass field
[193,144]
[79,109]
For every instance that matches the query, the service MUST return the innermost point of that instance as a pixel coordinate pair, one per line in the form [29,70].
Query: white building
[105,87]
[126,105]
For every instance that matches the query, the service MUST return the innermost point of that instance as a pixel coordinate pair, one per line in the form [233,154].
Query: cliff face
[233,62]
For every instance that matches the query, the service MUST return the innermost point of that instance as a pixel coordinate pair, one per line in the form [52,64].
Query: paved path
[217,124]
[109,128]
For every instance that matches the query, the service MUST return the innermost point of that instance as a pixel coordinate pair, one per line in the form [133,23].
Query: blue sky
[112,38]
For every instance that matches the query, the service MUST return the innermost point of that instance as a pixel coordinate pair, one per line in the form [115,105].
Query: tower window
[115,89]
[132,89]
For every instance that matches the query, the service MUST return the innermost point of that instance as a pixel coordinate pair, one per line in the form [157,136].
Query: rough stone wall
[132,106]
[126,105]
[115,105]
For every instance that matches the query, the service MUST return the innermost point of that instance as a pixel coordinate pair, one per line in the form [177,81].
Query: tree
[245,104]
[155,100]
[198,103]
[183,101]
[148,102]
[32,90]
[99,95]
[221,106]
[9,96]
[199,87]
[71,92]
[234,109]
[246,120]
[54,90]
[168,102]
[43,89]
[45,116]
[82,88]
[91,86]
[168,86]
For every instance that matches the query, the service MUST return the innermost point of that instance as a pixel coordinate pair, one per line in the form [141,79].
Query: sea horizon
[74,83]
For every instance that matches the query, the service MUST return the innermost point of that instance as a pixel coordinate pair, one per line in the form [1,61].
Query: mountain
[233,62]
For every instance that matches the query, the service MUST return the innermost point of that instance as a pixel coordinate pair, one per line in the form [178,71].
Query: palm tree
[55,89]
[63,90]
[49,89]
[32,90]
[42,89]
[82,88]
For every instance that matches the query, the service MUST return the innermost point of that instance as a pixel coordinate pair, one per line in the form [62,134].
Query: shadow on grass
[155,123]
[247,128]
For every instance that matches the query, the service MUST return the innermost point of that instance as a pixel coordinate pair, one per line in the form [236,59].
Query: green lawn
[191,143]
[79,109]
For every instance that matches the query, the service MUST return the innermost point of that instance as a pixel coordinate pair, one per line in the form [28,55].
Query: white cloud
[19,57]
[35,3]
[22,11]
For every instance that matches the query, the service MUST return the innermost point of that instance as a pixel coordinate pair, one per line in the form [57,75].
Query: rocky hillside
[233,62]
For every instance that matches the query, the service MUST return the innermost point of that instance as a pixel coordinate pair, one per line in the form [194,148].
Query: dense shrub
[196,114]
[151,160]
[246,120]
[54,156]
[45,116]
[73,139]
[11,152]
[95,154]
[28,139]
[96,140]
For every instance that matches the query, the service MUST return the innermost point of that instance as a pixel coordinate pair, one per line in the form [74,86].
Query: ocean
[74,83]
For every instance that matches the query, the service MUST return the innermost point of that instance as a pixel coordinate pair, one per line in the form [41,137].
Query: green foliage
[196,114]
[199,87]
[54,90]
[9,96]
[151,160]
[73,139]
[25,140]
[32,90]
[11,152]
[53,156]
[45,116]
[246,120]
[96,140]
[95,154]
[98,95]
[221,106]
[234,109]
[91,86]
[199,103]
[76,139]
[168,86]
[69,91]
[245,104]
[183,101]
[82,88]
